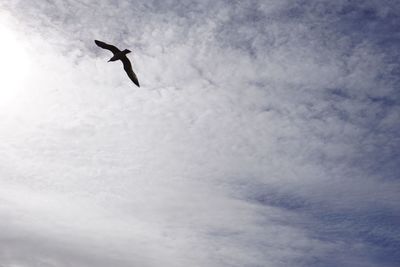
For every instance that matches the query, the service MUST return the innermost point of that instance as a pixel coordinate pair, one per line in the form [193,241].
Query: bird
[120,55]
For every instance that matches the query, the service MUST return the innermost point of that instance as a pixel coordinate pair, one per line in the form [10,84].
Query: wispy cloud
[265,134]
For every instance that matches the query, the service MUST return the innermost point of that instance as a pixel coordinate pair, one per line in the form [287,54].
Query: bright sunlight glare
[14,68]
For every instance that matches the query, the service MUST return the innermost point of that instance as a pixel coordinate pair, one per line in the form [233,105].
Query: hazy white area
[254,140]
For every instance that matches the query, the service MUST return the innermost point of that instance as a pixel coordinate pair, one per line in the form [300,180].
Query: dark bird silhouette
[120,55]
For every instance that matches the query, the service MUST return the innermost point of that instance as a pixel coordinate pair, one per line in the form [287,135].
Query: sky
[264,134]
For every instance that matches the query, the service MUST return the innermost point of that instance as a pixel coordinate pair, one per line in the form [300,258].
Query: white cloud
[260,137]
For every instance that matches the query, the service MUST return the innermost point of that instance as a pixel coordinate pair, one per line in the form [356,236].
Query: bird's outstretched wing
[112,48]
[129,71]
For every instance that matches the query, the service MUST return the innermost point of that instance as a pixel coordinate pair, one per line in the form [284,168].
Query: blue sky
[265,133]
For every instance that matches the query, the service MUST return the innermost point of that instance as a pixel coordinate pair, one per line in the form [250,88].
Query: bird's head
[126,51]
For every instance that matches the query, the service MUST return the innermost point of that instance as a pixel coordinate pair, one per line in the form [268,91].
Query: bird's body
[120,55]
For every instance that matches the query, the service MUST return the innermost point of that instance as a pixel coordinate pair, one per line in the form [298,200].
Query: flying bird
[120,55]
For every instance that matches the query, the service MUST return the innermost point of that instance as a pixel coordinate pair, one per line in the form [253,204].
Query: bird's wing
[129,71]
[112,48]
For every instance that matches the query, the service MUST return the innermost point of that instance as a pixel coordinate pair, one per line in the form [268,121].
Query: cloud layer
[265,133]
